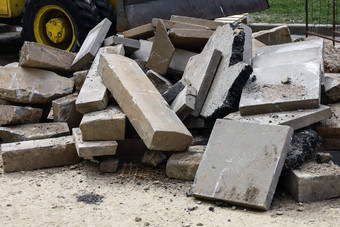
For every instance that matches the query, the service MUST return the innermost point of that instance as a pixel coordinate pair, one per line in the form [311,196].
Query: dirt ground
[136,196]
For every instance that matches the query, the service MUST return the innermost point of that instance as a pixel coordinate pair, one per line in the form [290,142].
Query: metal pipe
[334,27]
[323,36]
[306,9]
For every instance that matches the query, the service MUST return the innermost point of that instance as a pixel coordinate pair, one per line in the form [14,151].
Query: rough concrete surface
[14,115]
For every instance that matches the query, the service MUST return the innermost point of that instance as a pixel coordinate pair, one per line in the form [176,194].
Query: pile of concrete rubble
[229,109]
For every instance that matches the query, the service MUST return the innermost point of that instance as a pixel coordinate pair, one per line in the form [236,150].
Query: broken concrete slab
[282,88]
[141,32]
[105,125]
[332,87]
[91,45]
[94,95]
[200,72]
[33,132]
[4,102]
[225,91]
[174,24]
[295,119]
[256,45]
[183,166]
[210,24]
[248,45]
[313,182]
[79,79]
[38,154]
[14,115]
[330,129]
[109,165]
[153,158]
[162,51]
[92,148]
[36,55]
[274,36]
[144,51]
[162,132]
[34,86]
[257,171]
[173,92]
[184,103]
[161,83]
[130,45]
[190,39]
[64,110]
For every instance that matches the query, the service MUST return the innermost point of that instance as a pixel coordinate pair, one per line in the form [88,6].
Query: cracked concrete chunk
[38,154]
[253,152]
[274,36]
[105,125]
[153,158]
[33,132]
[141,32]
[175,24]
[79,79]
[161,83]
[150,115]
[197,21]
[109,165]
[91,45]
[173,92]
[332,87]
[184,103]
[64,110]
[87,149]
[330,129]
[15,115]
[282,88]
[35,86]
[130,45]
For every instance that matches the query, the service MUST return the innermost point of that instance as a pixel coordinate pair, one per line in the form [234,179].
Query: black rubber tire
[81,12]
[105,10]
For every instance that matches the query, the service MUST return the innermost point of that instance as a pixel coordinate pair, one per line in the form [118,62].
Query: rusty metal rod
[306,9]
[323,36]
[334,27]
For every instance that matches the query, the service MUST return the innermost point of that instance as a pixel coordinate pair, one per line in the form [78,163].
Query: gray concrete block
[144,51]
[64,110]
[295,119]
[15,115]
[313,182]
[33,132]
[79,79]
[175,24]
[248,45]
[109,165]
[142,104]
[184,103]
[282,88]
[227,155]
[153,158]
[183,166]
[330,129]
[200,72]
[38,154]
[91,44]
[130,45]
[197,21]
[105,125]
[161,83]
[93,148]
[172,92]
[274,36]
[141,32]
[332,87]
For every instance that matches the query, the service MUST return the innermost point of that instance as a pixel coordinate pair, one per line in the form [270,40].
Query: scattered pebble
[139,183]
[192,208]
[212,209]
[146,188]
[279,213]
[229,220]
[199,224]
[233,208]
[138,219]
[186,225]
[146,224]
[199,202]
[9,205]
[300,209]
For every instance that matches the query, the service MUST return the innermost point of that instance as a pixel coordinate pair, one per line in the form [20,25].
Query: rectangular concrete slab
[200,73]
[109,165]
[93,148]
[79,79]
[38,154]
[332,87]
[15,115]
[91,45]
[141,32]
[33,132]
[154,121]
[105,125]
[275,36]
[130,45]
[197,21]
[282,88]
[313,182]
[175,24]
[295,119]
[242,163]
[330,128]
[161,83]
[184,103]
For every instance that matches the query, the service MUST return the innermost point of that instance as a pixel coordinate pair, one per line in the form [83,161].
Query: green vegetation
[293,11]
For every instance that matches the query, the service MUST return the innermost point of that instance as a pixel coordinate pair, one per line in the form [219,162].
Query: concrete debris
[209,24]
[184,103]
[79,79]
[161,83]
[323,157]
[275,36]
[16,115]
[332,87]
[91,45]
[109,165]
[175,24]
[153,158]
[174,91]
[130,45]
[141,32]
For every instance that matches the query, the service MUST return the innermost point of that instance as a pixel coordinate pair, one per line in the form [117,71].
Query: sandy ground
[49,198]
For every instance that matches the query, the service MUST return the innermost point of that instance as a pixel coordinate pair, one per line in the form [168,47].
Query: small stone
[193,208]
[233,208]
[323,157]
[146,224]
[212,209]
[199,224]
[138,219]
[279,213]
[146,188]
[9,205]
[300,209]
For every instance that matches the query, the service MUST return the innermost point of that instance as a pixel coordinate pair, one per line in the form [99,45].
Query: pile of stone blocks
[210,102]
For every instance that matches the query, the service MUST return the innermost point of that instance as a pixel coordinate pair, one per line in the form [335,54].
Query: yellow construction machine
[65,23]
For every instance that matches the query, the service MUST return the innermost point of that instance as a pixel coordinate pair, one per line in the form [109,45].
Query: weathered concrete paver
[184,103]
[275,36]
[14,115]
[197,21]
[253,152]
[109,165]
[141,32]
[64,110]
[130,45]
[161,83]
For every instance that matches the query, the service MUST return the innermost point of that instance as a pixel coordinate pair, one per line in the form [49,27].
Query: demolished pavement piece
[36,55]
[184,103]
[141,32]
[105,125]
[38,154]
[330,128]
[282,88]
[144,51]
[227,155]
[33,132]
[274,36]
[172,93]
[295,119]
[332,87]
[313,182]
[130,45]
[92,148]
[210,24]
[174,24]
[183,166]
[190,39]
[79,79]
[154,121]
[248,45]
[153,158]
[200,72]
[64,110]
[34,86]
[91,45]
[15,115]
[109,165]
[162,51]
[94,95]
[161,83]
[4,102]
